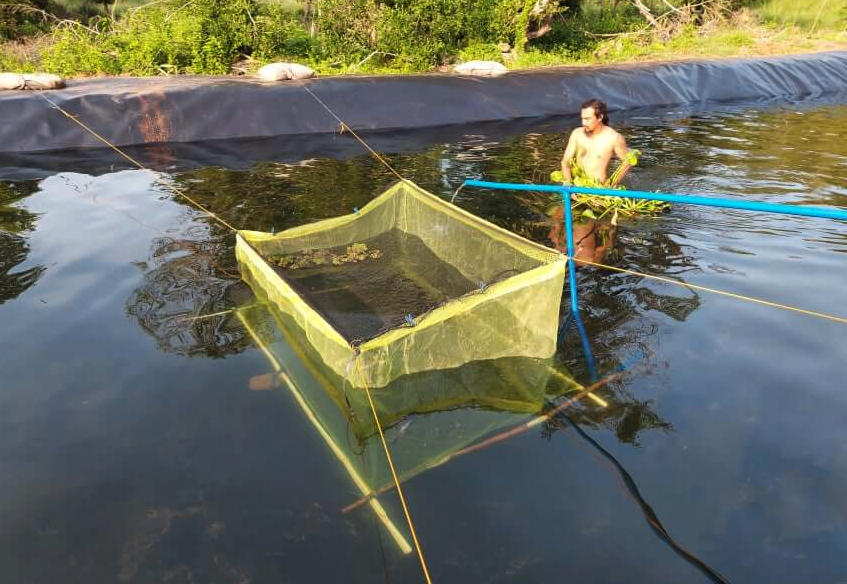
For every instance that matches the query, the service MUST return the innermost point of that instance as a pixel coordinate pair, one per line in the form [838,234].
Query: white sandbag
[43,81]
[481,68]
[284,72]
[31,81]
[11,81]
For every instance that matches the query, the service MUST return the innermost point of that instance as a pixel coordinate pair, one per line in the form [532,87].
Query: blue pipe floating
[566,190]
[782,209]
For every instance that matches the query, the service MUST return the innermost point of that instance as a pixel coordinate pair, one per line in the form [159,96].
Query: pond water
[132,448]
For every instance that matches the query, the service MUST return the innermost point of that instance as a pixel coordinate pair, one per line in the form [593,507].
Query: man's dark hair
[599,107]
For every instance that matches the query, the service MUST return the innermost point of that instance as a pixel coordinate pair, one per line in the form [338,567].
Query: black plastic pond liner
[174,111]
[241,153]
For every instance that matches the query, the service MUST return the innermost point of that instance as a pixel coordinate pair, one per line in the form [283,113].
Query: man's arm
[570,151]
[621,151]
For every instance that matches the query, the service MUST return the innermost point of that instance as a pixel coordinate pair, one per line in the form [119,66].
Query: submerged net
[410,283]
[426,416]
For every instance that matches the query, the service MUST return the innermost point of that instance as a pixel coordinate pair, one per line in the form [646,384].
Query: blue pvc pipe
[586,346]
[566,190]
[516,186]
[683,199]
[566,206]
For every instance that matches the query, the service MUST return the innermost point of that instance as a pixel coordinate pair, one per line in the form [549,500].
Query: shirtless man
[593,145]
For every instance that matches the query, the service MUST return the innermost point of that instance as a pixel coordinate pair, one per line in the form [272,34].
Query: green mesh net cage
[408,284]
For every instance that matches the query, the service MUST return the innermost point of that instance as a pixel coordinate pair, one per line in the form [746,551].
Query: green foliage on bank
[808,15]
[20,20]
[79,37]
[203,36]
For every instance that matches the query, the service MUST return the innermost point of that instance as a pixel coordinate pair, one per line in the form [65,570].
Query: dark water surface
[133,450]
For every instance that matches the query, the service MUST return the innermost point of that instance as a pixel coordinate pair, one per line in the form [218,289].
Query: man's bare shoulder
[611,134]
[579,137]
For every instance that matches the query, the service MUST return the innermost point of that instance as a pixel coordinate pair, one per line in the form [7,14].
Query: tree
[534,18]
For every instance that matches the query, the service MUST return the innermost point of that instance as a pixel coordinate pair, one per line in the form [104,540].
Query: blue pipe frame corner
[565,191]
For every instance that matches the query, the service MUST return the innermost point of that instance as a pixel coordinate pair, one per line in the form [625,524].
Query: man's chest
[597,149]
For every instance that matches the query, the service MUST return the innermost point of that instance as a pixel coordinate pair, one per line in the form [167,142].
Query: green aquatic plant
[313,258]
[588,206]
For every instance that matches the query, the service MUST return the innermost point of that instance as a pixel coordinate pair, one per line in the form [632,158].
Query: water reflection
[277,196]
[190,282]
[174,293]
[593,241]
[124,461]
[15,222]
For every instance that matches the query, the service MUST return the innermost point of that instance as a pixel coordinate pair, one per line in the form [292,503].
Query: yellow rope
[823,315]
[364,488]
[213,314]
[345,128]
[223,222]
[394,473]
[173,189]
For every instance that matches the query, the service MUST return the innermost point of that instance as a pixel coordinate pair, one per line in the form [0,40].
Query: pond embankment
[143,111]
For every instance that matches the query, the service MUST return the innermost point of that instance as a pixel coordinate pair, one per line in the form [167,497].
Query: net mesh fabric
[435,412]
[448,288]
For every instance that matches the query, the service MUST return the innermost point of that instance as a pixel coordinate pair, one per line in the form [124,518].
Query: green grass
[805,14]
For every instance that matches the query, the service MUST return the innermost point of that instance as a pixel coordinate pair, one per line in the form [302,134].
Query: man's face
[590,121]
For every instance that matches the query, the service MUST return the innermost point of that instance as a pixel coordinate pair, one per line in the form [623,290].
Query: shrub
[204,36]
[337,36]
[421,30]
[7,63]
[478,51]
[348,28]
[77,51]
[21,18]
[280,32]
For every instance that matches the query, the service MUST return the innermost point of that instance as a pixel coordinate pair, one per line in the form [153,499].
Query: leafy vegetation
[590,206]
[809,15]
[164,37]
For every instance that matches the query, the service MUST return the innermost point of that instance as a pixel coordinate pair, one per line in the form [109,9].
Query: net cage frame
[510,317]
[510,384]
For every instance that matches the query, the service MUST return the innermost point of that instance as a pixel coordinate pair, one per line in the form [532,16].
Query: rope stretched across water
[223,222]
[344,127]
[172,188]
[394,474]
[823,315]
